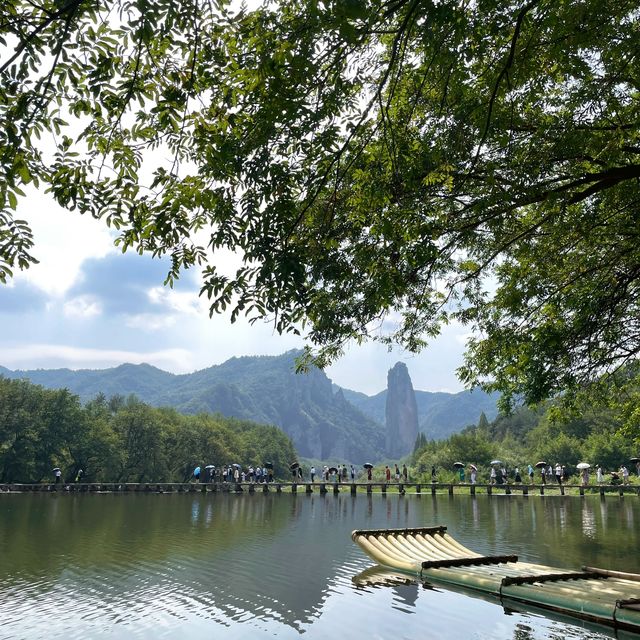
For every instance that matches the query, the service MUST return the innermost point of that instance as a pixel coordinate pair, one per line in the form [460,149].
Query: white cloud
[150,321]
[82,307]
[180,301]
[63,240]
[33,355]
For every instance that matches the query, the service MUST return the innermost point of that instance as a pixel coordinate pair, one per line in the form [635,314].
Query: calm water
[165,566]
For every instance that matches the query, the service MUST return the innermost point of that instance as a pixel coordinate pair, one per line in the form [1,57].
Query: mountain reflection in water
[145,566]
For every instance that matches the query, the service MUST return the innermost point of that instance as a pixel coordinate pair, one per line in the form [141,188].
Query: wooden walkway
[322,488]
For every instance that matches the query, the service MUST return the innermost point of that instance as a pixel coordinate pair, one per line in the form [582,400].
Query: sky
[86,305]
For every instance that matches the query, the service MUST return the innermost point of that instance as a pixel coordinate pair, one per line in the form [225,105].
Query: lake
[265,565]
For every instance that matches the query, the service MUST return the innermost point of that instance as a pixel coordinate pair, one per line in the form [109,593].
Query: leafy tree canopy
[381,166]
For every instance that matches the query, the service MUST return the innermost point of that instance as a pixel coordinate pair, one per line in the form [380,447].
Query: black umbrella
[367,465]
[333,470]
[268,465]
[458,465]
[294,465]
[541,464]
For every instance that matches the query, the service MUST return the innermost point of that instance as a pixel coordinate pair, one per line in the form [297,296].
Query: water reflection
[157,565]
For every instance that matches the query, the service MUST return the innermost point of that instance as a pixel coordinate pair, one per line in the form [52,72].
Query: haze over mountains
[323,420]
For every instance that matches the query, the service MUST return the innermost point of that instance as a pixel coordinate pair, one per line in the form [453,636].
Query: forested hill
[323,420]
[439,414]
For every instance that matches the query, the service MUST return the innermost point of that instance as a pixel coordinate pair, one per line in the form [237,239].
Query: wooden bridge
[400,488]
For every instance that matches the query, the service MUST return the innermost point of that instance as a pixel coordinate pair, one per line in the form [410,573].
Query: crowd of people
[234,473]
[558,474]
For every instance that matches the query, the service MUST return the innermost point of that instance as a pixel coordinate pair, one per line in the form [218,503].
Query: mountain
[401,412]
[325,422]
[439,414]
[319,420]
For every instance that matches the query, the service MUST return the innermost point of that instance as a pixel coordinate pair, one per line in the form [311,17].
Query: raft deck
[597,595]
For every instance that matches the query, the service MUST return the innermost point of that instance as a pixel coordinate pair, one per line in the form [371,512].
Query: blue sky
[87,305]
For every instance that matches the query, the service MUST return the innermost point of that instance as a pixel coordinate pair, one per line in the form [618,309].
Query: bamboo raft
[597,595]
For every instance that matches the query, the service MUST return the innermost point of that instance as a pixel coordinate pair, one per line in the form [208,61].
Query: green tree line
[122,439]
[590,433]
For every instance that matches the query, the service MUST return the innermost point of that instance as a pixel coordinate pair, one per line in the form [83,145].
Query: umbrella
[458,465]
[333,470]
[473,466]
[634,459]
[236,465]
[367,465]
[583,465]
[268,465]
[496,462]
[210,466]
[294,465]
[541,464]
[55,469]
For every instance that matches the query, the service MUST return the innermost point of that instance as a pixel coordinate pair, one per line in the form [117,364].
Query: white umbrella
[497,462]
[583,465]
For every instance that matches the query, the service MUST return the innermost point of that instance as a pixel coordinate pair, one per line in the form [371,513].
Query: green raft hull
[599,596]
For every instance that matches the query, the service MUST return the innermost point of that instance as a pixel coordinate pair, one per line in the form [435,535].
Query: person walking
[433,473]
[584,476]
[530,472]
[312,474]
[558,473]
[624,472]
[518,478]
[353,474]
[492,475]
[387,473]
[543,475]
[397,474]
[474,475]
[405,474]
[368,474]
[599,475]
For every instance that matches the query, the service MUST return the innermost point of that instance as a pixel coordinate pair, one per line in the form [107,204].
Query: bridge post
[418,488]
[472,489]
[384,487]
[451,489]
[369,488]
[353,489]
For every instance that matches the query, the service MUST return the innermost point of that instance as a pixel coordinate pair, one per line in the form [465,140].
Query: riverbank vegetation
[596,433]
[121,439]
